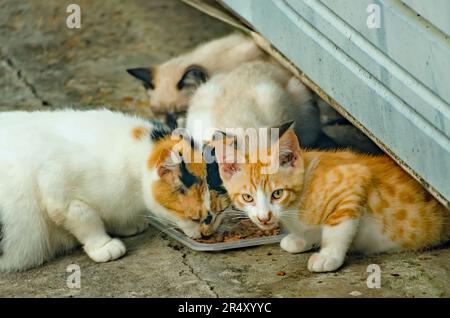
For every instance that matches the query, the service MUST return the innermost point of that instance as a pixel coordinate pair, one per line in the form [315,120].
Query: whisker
[240,218]
[161,220]
[167,230]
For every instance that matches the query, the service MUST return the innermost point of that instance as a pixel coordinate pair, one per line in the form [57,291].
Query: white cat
[70,177]
[254,95]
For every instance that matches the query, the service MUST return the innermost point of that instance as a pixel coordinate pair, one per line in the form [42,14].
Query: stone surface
[44,65]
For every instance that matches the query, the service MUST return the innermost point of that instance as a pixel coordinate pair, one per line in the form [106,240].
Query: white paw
[294,244]
[110,251]
[323,263]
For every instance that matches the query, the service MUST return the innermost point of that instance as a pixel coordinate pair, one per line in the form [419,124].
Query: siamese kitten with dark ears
[171,84]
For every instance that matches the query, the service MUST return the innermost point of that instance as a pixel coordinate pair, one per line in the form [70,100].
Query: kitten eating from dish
[83,177]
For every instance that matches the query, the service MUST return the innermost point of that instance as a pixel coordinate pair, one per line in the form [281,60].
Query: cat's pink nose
[266,219]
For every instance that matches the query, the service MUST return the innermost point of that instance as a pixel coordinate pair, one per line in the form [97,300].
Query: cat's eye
[277,194]
[247,197]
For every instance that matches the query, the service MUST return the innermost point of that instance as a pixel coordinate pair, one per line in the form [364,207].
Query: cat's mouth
[266,226]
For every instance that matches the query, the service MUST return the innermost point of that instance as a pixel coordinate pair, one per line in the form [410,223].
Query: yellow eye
[247,197]
[277,194]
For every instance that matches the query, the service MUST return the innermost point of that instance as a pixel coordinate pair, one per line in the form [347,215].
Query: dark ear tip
[290,124]
[137,70]
[285,127]
[143,74]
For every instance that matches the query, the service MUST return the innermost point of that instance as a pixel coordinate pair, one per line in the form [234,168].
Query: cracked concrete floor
[44,65]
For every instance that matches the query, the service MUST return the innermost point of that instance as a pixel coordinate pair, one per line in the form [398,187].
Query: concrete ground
[45,65]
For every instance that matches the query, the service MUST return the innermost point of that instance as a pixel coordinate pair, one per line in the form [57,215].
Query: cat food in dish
[244,229]
[231,234]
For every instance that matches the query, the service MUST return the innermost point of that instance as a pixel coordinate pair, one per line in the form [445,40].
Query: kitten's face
[188,195]
[266,198]
[170,86]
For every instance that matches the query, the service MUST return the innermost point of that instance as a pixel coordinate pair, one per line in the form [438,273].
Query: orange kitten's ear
[228,170]
[227,156]
[288,149]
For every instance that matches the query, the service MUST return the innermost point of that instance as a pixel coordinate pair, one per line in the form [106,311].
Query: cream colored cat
[171,84]
[255,94]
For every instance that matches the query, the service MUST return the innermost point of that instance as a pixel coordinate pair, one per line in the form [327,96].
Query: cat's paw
[294,244]
[323,263]
[109,251]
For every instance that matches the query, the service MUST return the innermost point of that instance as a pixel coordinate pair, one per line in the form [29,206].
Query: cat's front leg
[294,243]
[85,224]
[336,240]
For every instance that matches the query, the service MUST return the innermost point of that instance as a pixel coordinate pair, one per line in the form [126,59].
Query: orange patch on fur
[382,205]
[390,190]
[138,132]
[406,197]
[339,216]
[422,212]
[400,215]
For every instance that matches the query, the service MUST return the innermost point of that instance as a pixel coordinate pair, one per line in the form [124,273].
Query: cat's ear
[283,128]
[193,77]
[144,74]
[228,170]
[227,156]
[168,166]
[288,147]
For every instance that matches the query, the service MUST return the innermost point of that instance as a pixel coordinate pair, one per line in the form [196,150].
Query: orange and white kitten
[171,84]
[338,201]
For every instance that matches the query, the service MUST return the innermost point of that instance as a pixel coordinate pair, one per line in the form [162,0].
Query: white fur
[216,56]
[253,95]
[361,235]
[70,177]
[335,243]
[370,239]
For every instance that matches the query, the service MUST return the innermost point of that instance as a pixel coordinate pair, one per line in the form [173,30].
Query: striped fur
[340,201]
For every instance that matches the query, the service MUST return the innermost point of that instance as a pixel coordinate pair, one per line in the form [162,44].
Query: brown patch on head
[182,185]
[138,132]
